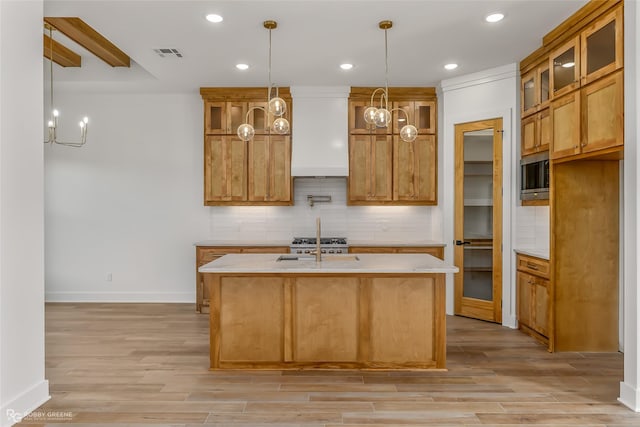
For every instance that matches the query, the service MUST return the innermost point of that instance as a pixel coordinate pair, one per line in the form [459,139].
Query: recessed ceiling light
[212,17]
[494,17]
[451,66]
[242,67]
[346,66]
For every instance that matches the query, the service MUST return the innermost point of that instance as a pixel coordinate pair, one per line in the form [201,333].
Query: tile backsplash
[532,228]
[357,223]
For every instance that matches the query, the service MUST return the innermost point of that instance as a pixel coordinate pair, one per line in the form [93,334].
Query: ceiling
[312,39]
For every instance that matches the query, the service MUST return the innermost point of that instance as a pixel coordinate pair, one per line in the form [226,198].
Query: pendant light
[381,116]
[276,106]
[52,125]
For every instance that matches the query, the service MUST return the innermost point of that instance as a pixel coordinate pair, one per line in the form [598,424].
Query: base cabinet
[327,320]
[533,304]
[206,254]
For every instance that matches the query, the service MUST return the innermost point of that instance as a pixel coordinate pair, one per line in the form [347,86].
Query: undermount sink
[313,258]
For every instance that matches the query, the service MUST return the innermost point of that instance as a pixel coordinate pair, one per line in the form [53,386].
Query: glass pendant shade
[246,132]
[281,125]
[370,115]
[382,118]
[277,107]
[408,133]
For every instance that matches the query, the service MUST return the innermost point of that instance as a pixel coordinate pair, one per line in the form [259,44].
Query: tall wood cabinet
[383,169]
[577,309]
[257,172]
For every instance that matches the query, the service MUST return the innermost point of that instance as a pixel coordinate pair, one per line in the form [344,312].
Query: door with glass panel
[478,220]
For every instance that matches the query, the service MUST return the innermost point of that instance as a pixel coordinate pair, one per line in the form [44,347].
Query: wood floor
[126,364]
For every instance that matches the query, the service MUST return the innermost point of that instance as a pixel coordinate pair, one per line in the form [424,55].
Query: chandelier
[53,120]
[381,115]
[276,106]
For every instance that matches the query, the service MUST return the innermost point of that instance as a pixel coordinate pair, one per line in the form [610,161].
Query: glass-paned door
[478,219]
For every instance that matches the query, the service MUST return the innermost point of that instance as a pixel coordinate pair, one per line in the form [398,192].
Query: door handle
[461,242]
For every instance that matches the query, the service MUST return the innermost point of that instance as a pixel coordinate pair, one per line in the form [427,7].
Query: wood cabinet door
[528,93]
[529,135]
[381,168]
[525,297]
[415,169]
[602,117]
[543,88]
[565,126]
[540,306]
[425,117]
[602,47]
[225,163]
[280,168]
[543,130]
[357,124]
[564,65]
[370,168]
[215,118]
[399,119]
[270,168]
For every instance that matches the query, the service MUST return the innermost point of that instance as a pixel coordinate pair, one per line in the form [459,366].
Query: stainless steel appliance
[328,245]
[534,178]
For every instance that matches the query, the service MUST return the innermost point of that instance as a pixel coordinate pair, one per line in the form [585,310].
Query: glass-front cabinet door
[564,64]
[602,47]
[528,93]
[542,74]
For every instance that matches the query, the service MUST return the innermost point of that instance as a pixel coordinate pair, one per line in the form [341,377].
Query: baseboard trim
[509,321]
[629,397]
[16,409]
[170,297]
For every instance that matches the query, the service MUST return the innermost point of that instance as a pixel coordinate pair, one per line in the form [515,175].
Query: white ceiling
[312,39]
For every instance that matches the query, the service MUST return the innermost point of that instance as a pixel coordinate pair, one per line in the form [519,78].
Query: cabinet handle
[529,281]
[532,266]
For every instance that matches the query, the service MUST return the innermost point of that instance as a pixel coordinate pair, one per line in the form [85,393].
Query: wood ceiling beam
[62,55]
[80,32]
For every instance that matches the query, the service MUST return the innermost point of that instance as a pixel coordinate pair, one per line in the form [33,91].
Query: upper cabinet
[578,74]
[534,89]
[564,63]
[384,169]
[257,172]
[601,46]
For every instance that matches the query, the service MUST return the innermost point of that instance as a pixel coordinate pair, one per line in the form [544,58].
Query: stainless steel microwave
[534,177]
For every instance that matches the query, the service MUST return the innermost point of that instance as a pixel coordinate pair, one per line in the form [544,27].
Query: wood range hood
[84,35]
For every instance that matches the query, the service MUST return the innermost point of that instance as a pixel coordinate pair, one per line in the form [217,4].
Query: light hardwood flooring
[126,364]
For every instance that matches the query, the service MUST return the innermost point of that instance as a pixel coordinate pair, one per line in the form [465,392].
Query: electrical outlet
[109,277]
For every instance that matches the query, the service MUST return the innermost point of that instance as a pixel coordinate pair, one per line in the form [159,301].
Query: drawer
[533,265]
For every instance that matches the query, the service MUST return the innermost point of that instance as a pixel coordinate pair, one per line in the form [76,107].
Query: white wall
[489,94]
[630,387]
[128,203]
[22,383]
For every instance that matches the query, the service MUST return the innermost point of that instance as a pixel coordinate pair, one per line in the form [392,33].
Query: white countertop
[242,243]
[425,243]
[365,263]
[534,252]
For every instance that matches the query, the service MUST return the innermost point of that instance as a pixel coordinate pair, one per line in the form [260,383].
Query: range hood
[320,131]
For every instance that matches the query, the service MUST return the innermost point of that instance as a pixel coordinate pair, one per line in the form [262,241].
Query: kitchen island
[365,311]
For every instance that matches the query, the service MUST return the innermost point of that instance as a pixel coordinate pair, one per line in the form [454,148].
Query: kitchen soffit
[314,37]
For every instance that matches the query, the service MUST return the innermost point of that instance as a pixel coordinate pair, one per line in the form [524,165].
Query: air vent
[168,53]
